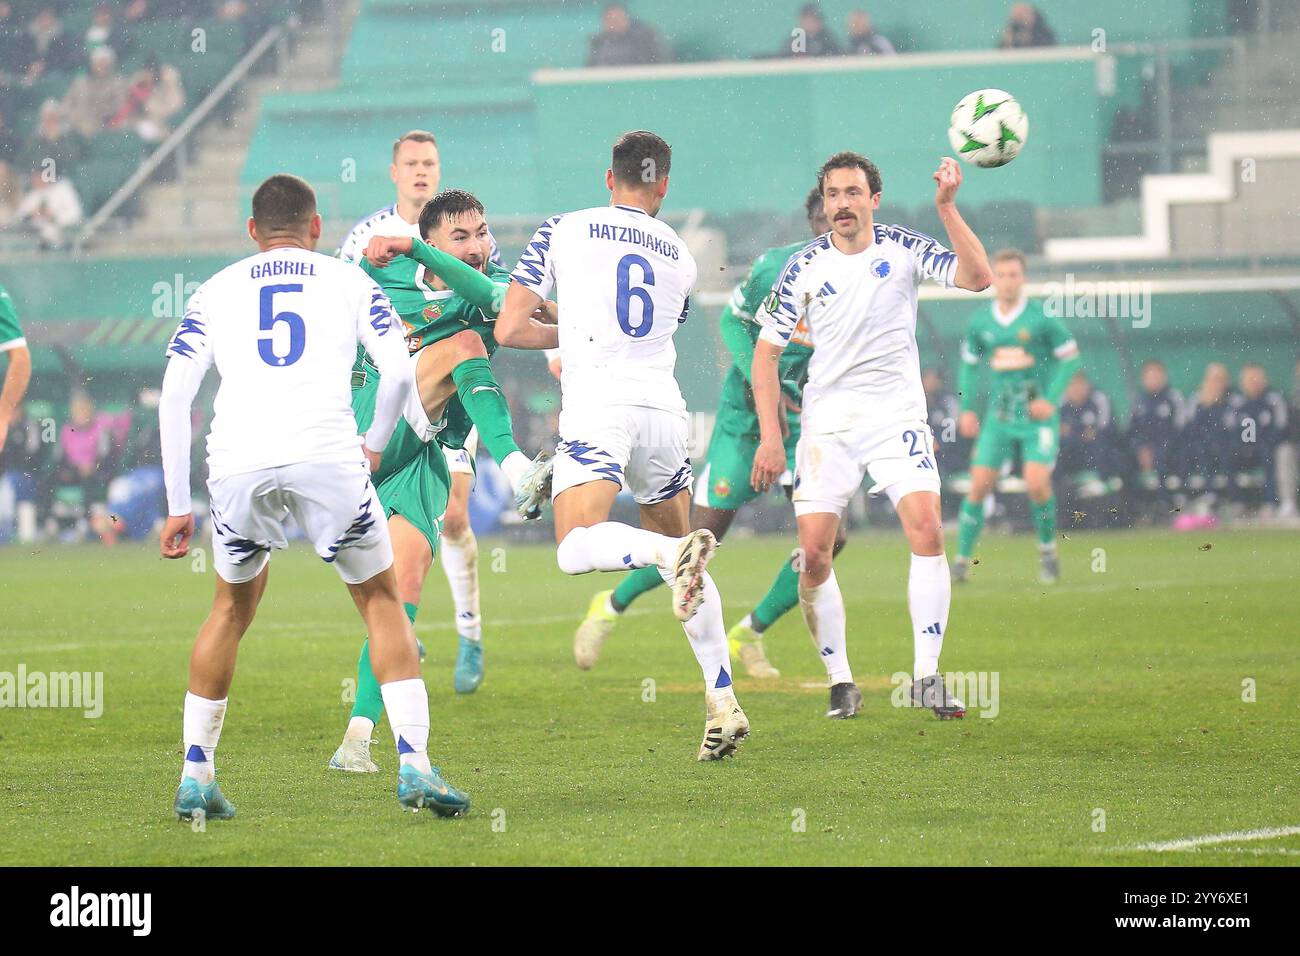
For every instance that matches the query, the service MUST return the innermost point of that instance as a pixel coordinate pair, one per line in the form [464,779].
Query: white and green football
[988,128]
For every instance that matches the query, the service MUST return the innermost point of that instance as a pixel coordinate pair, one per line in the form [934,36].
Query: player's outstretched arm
[180,384]
[973,270]
[769,460]
[516,327]
[380,334]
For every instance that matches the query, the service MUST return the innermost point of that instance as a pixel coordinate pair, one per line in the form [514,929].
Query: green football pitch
[1144,711]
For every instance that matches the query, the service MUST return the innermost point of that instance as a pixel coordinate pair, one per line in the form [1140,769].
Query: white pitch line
[1195,843]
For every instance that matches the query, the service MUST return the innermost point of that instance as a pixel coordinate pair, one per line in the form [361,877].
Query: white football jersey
[282,329]
[386,222]
[622,279]
[860,312]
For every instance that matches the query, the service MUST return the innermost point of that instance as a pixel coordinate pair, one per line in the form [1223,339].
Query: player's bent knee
[571,555]
[817,564]
[468,345]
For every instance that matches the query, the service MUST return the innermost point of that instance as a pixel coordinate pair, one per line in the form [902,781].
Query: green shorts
[724,482]
[1038,441]
[418,492]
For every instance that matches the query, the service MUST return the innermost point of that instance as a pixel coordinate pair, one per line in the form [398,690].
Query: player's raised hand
[174,541]
[948,176]
[769,463]
[381,250]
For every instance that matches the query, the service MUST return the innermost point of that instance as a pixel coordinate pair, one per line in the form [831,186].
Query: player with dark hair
[723,484]
[864,408]
[447,293]
[624,280]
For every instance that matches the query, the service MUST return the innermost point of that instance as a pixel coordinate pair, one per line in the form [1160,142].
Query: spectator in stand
[155,95]
[25,473]
[1088,446]
[1026,28]
[813,37]
[945,410]
[49,209]
[85,454]
[863,38]
[1210,436]
[56,149]
[1261,426]
[623,41]
[9,192]
[47,47]
[104,31]
[95,97]
[13,46]
[1153,430]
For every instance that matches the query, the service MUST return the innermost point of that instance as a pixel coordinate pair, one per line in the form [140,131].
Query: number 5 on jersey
[269,319]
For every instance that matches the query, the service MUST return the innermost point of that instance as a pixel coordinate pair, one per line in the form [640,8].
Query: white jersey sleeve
[930,258]
[189,356]
[535,268]
[379,333]
[787,303]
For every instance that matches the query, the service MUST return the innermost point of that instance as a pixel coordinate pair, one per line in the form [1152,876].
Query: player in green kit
[1031,358]
[723,484]
[447,294]
[19,372]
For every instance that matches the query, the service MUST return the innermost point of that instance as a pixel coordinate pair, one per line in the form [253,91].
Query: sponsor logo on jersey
[1010,358]
[880,268]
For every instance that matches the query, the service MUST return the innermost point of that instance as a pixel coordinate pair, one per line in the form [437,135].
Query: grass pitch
[1123,717]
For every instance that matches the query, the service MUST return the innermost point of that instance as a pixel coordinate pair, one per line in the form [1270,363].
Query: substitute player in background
[1031,358]
[623,280]
[864,406]
[416,171]
[282,328]
[724,486]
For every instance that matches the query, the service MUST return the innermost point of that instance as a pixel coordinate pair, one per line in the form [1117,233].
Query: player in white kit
[282,329]
[864,409]
[622,279]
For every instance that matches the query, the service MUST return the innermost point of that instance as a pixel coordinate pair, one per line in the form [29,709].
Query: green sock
[1044,520]
[634,585]
[370,702]
[486,405]
[969,526]
[780,597]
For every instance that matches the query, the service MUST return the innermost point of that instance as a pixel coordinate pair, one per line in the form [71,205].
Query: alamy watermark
[1098,300]
[78,690]
[978,690]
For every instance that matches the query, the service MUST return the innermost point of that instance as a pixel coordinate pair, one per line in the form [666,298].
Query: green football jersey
[1025,357]
[737,395]
[11,333]
[429,316]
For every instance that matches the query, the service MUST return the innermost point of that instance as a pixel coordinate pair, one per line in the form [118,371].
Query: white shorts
[829,468]
[460,461]
[641,449]
[333,503]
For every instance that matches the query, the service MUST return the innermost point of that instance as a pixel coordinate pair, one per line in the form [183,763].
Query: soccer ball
[988,128]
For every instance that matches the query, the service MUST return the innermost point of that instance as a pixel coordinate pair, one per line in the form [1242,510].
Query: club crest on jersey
[722,488]
[880,268]
[432,310]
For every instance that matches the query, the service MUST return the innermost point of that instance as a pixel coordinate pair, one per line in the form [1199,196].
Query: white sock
[460,564]
[612,546]
[200,731]
[359,728]
[514,466]
[748,622]
[609,605]
[929,594]
[823,612]
[407,703]
[707,633]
